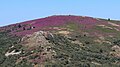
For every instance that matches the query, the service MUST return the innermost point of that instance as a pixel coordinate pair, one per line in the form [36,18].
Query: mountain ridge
[57,21]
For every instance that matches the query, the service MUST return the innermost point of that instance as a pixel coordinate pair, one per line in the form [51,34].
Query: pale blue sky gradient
[14,11]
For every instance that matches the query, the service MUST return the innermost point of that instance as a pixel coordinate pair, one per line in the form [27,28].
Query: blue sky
[14,11]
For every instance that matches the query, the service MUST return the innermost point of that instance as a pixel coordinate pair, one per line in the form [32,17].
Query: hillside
[61,41]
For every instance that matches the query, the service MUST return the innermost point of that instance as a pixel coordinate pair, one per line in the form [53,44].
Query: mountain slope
[61,41]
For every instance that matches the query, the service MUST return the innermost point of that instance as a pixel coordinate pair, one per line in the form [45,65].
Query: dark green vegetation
[6,41]
[74,55]
[68,54]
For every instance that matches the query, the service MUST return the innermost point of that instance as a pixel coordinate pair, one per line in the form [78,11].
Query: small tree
[24,28]
[108,19]
[19,26]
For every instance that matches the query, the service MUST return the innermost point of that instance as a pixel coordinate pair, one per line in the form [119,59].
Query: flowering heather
[28,27]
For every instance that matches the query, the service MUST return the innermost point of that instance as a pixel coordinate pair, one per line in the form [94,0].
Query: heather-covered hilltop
[61,41]
[49,23]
